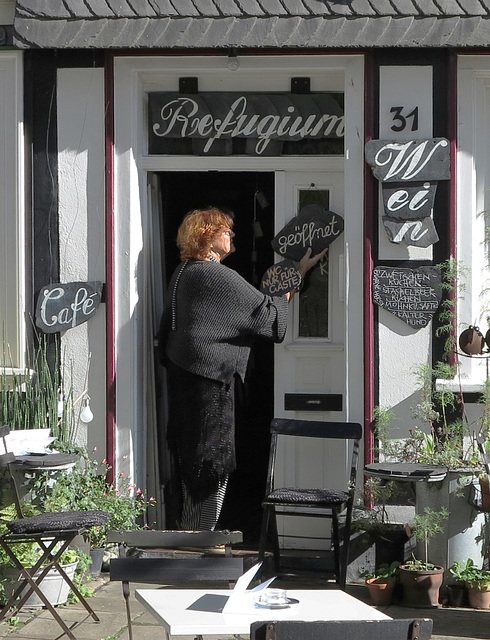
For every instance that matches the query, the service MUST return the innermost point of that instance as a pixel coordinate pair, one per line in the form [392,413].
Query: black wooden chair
[403,629]
[174,558]
[52,533]
[316,502]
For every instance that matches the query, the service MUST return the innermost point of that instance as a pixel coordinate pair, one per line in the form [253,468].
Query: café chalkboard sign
[413,295]
[63,306]
[314,227]
[280,278]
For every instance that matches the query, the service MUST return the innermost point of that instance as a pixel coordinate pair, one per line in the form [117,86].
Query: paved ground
[107,601]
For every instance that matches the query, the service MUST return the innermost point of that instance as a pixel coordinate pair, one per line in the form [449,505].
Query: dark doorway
[251,198]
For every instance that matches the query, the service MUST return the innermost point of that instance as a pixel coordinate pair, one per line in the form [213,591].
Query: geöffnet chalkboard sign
[314,226]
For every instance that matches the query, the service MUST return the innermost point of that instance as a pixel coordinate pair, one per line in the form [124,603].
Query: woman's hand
[307,262]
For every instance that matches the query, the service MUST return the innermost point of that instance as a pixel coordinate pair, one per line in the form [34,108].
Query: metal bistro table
[181,613]
[406,471]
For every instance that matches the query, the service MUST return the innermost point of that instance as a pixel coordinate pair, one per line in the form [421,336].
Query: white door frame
[133,77]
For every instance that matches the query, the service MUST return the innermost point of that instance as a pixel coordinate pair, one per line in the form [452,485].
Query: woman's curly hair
[198,230]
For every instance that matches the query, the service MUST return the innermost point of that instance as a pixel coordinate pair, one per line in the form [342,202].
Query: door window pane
[313,298]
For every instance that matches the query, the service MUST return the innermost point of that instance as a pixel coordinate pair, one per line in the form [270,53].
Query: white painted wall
[7,11]
[473,200]
[401,347]
[473,176]
[82,232]
[12,223]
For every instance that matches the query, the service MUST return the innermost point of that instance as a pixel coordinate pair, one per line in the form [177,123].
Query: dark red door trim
[370,217]
[109,248]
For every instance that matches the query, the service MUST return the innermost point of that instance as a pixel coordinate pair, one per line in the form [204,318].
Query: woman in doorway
[212,316]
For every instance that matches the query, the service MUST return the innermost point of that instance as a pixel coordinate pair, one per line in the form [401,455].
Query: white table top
[170,608]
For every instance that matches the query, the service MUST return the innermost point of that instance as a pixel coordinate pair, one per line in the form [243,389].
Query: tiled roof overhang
[290,24]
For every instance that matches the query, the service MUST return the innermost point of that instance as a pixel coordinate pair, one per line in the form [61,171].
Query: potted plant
[31,398]
[457,589]
[389,537]
[478,584]
[381,583]
[421,579]
[85,487]
[441,438]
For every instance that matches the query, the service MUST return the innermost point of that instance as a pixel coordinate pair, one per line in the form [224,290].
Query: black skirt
[201,429]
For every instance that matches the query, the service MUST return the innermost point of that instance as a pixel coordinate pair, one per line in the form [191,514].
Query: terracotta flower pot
[380,592]
[479,598]
[421,586]
[485,493]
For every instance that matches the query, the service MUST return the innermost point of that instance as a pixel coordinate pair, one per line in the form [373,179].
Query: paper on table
[25,441]
[239,599]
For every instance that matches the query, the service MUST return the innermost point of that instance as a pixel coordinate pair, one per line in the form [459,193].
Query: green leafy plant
[29,398]
[453,285]
[375,519]
[85,487]
[383,573]
[448,443]
[426,526]
[471,575]
[461,571]
[439,435]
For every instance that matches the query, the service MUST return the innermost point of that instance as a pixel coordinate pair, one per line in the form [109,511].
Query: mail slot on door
[313,401]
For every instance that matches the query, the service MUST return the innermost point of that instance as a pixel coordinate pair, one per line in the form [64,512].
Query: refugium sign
[261,119]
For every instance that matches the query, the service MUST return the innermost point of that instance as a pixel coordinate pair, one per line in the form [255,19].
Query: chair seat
[59,521]
[311,497]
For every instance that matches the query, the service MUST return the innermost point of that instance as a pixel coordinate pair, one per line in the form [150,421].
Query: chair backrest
[6,459]
[389,629]
[166,566]
[314,429]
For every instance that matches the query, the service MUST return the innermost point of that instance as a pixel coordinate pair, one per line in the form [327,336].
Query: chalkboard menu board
[413,295]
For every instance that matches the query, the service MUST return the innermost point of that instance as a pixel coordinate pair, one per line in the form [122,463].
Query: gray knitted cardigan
[212,316]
